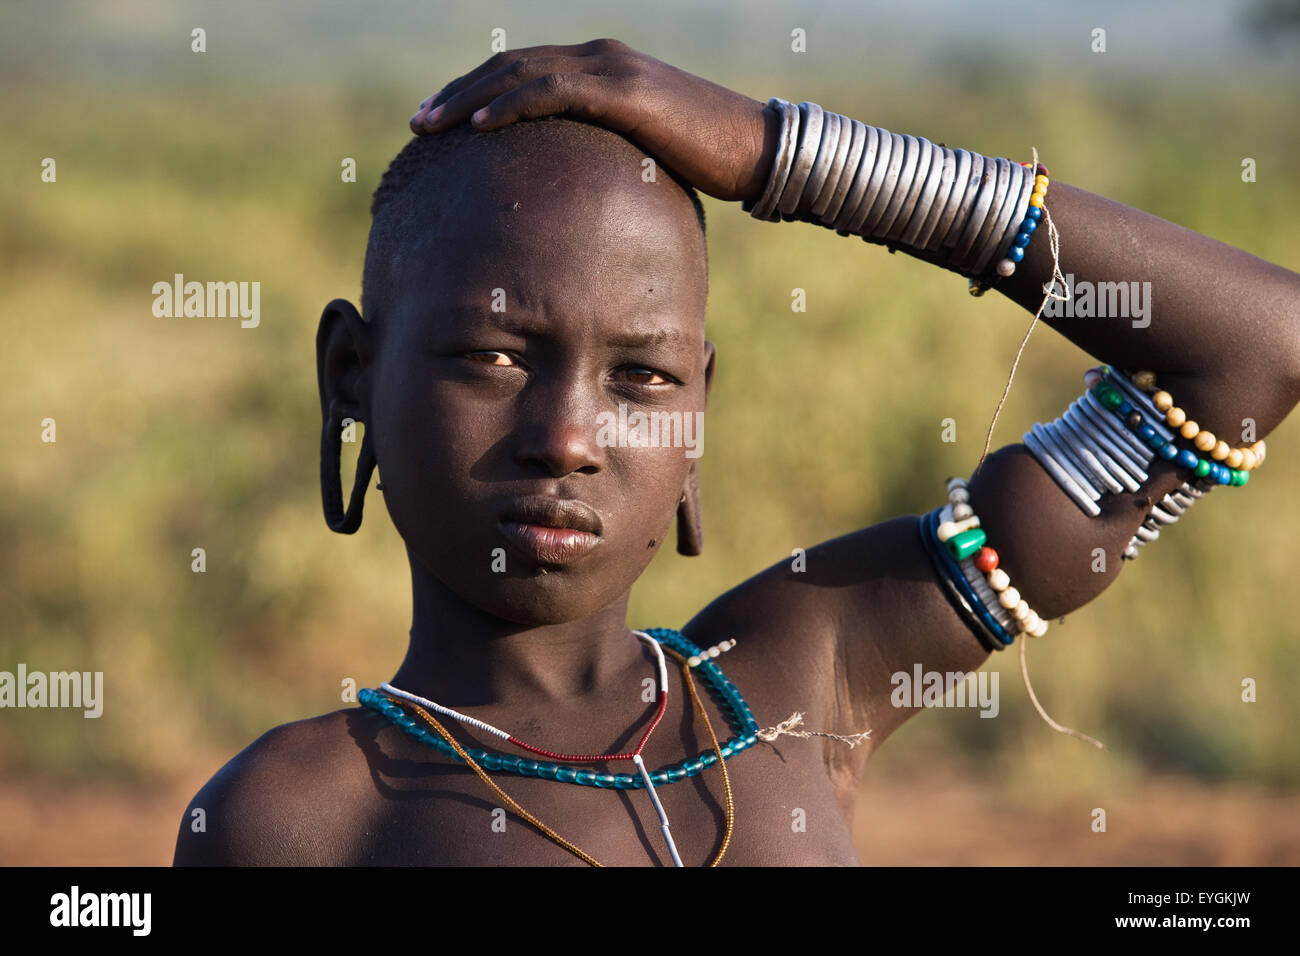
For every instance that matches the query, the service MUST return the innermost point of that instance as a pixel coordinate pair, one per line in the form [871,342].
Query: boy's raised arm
[1218,327]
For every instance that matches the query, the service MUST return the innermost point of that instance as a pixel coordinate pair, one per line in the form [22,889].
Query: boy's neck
[460,655]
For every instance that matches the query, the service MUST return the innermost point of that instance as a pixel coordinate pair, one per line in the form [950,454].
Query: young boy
[523,280]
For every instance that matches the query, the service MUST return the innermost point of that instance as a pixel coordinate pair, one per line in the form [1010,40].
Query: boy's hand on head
[721,141]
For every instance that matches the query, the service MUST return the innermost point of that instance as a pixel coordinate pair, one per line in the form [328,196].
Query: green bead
[966,543]
[1245,477]
[1202,467]
[1109,395]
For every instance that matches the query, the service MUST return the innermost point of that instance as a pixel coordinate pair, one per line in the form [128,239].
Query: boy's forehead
[582,232]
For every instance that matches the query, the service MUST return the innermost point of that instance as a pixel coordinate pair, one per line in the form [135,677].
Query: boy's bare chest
[785,812]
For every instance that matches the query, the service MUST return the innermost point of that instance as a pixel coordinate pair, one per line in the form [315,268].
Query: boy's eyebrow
[514,324]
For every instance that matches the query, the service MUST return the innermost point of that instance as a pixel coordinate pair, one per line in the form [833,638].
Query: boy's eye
[645,376]
[491,358]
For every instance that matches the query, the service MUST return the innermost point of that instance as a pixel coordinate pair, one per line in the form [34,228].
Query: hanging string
[1024,671]
[1049,290]
[1049,293]
[786,728]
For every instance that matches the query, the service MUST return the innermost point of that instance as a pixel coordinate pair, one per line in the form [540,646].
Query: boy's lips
[551,530]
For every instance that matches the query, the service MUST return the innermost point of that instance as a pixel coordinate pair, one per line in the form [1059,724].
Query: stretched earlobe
[690,528]
[331,485]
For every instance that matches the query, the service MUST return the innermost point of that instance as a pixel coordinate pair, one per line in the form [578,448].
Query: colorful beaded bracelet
[992,635]
[1016,252]
[983,561]
[1114,394]
[1244,459]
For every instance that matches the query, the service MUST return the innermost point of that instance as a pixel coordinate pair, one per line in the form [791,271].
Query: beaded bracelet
[958,589]
[1016,251]
[1113,392]
[1244,459]
[984,559]
[1090,450]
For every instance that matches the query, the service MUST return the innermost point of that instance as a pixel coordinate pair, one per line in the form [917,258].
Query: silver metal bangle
[1062,478]
[899,191]
[810,137]
[1020,209]
[971,189]
[821,167]
[993,172]
[965,159]
[789,130]
[925,205]
[889,154]
[857,144]
[993,223]
[843,139]
[907,209]
[861,179]
[994,248]
[1128,441]
[1090,435]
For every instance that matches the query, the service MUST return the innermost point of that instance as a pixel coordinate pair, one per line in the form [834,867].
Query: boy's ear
[712,351]
[343,352]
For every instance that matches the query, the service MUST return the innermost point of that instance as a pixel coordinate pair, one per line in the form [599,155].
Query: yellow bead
[1035,200]
[1234,458]
[1248,459]
[1162,401]
[1040,182]
[1145,380]
[1190,429]
[1220,451]
[1205,441]
[1175,416]
[1039,194]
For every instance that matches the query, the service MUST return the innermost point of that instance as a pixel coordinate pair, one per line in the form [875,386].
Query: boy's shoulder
[288,798]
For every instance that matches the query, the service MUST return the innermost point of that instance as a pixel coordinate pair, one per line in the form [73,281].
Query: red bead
[986,559]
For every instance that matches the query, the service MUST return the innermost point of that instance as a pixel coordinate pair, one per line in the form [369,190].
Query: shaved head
[436,186]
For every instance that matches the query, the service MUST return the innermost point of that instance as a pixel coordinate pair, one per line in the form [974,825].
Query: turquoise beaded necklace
[739,717]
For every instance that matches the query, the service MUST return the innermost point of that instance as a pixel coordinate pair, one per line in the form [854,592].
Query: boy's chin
[546,597]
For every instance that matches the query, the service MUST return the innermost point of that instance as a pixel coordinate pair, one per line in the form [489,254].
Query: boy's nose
[562,440]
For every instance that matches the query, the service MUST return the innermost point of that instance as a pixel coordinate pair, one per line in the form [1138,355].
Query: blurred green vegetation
[175,434]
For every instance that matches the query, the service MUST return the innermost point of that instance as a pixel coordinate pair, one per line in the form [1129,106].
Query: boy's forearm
[1219,326]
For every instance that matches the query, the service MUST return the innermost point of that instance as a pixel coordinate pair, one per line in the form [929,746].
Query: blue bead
[1168,451]
[1224,476]
[1146,432]
[675,774]
[1029,225]
[1022,239]
[726,749]
[566,774]
[509,762]
[547,771]
[1015,254]
[604,780]
[624,781]
[528,767]
[586,777]
[1034,212]
[751,739]
[1155,443]
[709,759]
[659,778]
[1124,408]
[692,767]
[1187,458]
[490,762]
